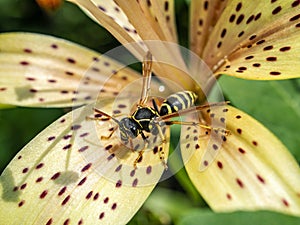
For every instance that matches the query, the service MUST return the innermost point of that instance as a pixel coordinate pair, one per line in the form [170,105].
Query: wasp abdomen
[178,101]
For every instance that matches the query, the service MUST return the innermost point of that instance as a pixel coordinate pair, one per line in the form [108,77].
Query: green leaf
[274,103]
[200,217]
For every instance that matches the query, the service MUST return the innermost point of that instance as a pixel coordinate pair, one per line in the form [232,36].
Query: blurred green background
[276,104]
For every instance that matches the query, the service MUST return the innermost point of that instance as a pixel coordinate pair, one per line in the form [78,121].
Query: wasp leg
[216,129]
[138,159]
[111,133]
[161,153]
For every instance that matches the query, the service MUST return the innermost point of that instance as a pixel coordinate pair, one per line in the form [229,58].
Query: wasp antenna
[106,115]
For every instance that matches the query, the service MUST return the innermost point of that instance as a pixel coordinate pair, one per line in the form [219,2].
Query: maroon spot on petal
[215,147]
[62,120]
[30,79]
[149,170]
[284,49]
[86,167]
[118,168]
[118,184]
[67,222]
[65,201]
[260,42]
[240,19]
[84,134]
[69,73]
[55,176]
[187,145]
[252,37]
[242,151]
[114,206]
[51,138]
[89,195]
[23,186]
[24,63]
[220,164]
[106,200]
[275,73]
[197,146]
[267,48]
[19,157]
[205,163]
[75,127]
[80,222]
[228,196]
[83,148]
[27,50]
[249,57]
[21,203]
[15,189]
[67,146]
[239,130]
[271,59]
[43,194]
[239,182]
[71,60]
[295,3]
[122,106]
[132,173]
[82,181]
[96,59]
[96,196]
[3,89]
[39,166]
[285,202]
[232,18]
[49,222]
[250,19]
[62,191]
[108,147]
[101,216]
[241,34]
[52,81]
[295,17]
[67,136]
[33,90]
[257,16]
[135,182]
[276,10]
[54,46]
[110,157]
[254,143]
[25,170]
[116,111]
[64,92]
[262,180]
[39,179]
[256,64]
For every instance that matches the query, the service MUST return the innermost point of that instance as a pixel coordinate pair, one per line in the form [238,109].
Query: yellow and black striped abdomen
[178,101]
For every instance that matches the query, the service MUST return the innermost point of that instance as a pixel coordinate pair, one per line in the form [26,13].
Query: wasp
[150,119]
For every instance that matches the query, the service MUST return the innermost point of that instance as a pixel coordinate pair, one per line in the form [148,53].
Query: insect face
[128,129]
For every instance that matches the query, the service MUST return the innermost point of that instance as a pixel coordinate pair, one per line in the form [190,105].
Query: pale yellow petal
[39,70]
[251,170]
[203,17]
[68,174]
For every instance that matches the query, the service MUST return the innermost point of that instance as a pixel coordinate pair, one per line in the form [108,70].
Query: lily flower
[74,174]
